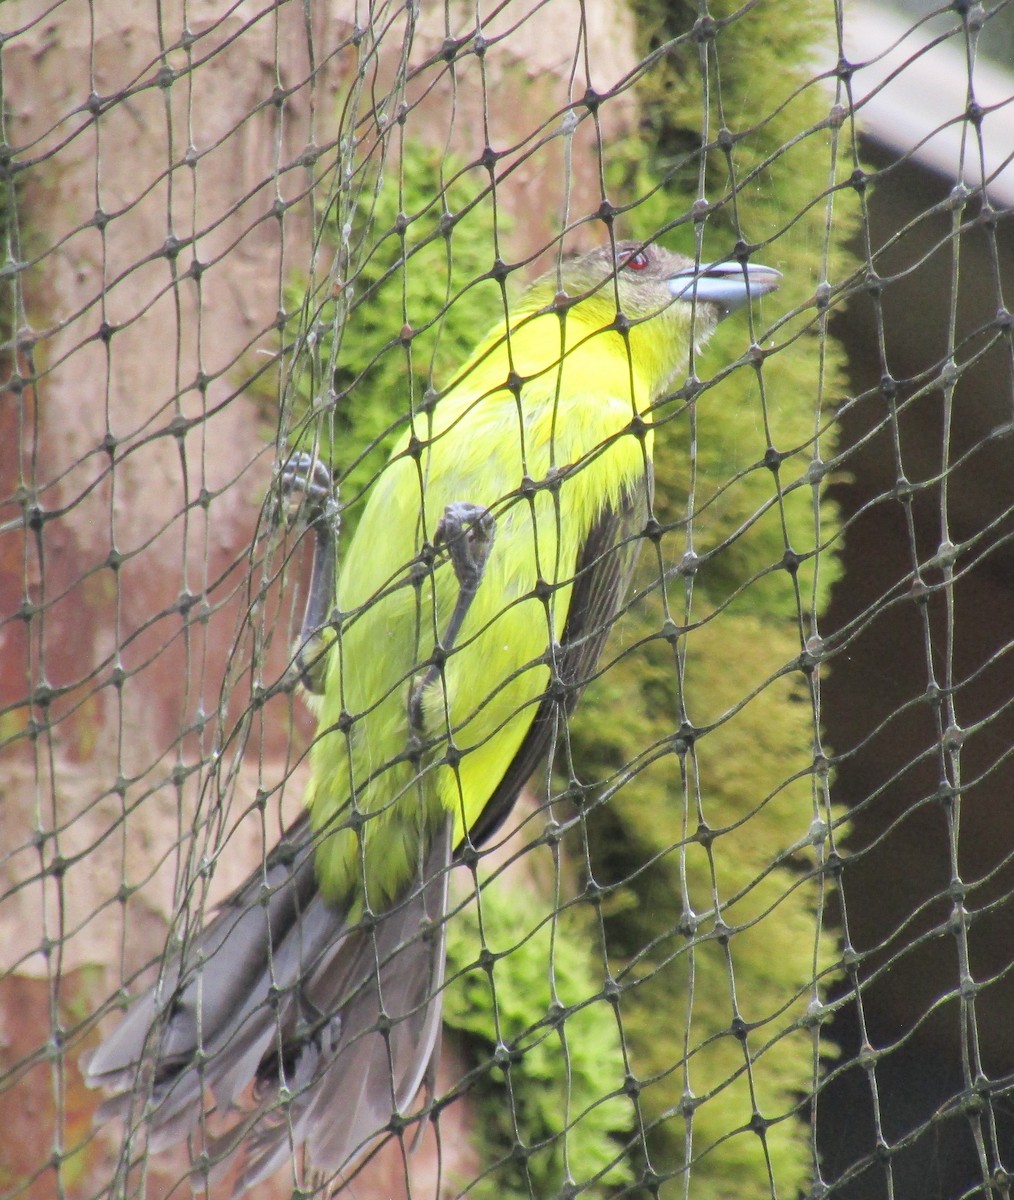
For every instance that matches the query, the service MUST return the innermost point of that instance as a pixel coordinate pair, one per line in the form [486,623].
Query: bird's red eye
[637,261]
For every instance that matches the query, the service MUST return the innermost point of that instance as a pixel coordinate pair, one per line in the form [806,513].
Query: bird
[443,653]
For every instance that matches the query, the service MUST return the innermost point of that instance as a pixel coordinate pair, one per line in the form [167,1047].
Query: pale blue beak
[727,285]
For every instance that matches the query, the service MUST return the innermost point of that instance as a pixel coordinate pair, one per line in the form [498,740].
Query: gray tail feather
[279,990]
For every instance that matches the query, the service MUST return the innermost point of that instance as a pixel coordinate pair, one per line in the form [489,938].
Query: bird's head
[650,281]
[661,300]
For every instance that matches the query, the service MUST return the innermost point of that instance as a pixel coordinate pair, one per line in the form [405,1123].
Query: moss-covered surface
[526,989]
[411,308]
[706,728]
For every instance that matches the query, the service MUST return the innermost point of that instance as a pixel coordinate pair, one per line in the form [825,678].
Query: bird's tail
[281,991]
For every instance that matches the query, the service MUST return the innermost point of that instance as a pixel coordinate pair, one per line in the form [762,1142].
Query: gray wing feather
[362,1074]
[287,991]
[215,997]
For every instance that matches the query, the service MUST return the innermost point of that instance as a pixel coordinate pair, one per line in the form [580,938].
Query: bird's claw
[306,495]
[467,530]
[305,490]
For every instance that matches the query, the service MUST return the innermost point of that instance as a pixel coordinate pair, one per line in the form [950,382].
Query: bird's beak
[727,285]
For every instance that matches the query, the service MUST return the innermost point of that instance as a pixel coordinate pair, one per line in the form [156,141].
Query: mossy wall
[707,728]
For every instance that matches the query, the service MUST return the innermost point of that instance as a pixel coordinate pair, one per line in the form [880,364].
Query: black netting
[495,741]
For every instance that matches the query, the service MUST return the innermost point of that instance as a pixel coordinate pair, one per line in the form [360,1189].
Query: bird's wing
[378,995]
[603,574]
[212,996]
[280,971]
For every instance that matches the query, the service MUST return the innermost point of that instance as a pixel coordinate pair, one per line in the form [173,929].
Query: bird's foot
[467,530]
[305,492]
[306,495]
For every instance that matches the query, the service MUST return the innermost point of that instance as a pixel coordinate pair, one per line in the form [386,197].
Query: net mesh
[745,930]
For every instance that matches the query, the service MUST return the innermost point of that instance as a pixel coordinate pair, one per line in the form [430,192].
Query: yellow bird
[489,563]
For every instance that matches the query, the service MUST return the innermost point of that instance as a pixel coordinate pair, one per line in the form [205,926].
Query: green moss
[412,308]
[557,1113]
[714,1016]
